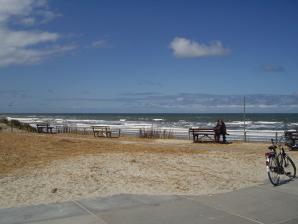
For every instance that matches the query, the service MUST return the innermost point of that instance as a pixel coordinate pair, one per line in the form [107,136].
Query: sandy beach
[39,168]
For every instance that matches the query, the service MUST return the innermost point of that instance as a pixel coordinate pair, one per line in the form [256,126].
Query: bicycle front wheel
[289,167]
[273,171]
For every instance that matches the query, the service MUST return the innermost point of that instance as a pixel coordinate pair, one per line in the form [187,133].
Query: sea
[251,127]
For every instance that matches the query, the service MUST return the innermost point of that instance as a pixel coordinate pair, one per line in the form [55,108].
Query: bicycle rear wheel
[289,167]
[272,171]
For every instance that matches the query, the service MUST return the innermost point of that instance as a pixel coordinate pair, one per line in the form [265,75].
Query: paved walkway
[263,204]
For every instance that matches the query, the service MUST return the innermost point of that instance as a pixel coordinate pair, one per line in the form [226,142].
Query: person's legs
[224,138]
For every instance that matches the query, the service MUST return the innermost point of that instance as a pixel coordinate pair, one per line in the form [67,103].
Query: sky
[162,56]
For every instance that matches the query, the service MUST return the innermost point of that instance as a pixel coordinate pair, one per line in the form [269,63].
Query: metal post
[244,118]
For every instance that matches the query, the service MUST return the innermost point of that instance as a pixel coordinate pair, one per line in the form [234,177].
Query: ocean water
[258,126]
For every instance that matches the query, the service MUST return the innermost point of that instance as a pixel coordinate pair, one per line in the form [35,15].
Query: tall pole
[244,119]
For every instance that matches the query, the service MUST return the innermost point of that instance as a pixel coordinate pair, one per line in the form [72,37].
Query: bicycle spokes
[289,167]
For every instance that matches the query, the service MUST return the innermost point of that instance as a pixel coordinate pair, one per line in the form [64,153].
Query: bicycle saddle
[271,147]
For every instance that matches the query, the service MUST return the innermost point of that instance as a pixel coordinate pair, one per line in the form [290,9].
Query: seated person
[220,129]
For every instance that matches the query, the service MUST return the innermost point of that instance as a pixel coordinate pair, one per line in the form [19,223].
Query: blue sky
[148,56]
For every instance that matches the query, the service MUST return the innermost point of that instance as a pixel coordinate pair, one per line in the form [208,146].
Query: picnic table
[103,131]
[44,128]
[291,138]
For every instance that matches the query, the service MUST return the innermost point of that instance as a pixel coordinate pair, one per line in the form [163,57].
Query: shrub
[154,133]
[4,120]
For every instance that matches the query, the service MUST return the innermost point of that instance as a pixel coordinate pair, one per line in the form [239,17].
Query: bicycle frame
[277,156]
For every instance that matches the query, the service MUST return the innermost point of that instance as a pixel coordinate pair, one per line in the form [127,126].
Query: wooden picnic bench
[291,138]
[104,131]
[203,134]
[44,128]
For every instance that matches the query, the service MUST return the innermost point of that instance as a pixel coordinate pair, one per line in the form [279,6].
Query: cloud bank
[273,68]
[185,48]
[146,102]
[23,46]
[185,103]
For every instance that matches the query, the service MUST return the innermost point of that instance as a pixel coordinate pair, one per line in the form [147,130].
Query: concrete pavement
[263,204]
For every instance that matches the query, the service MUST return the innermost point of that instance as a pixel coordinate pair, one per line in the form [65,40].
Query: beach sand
[39,168]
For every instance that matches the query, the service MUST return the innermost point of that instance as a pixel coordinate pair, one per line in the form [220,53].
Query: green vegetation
[17,124]
[154,133]
[3,121]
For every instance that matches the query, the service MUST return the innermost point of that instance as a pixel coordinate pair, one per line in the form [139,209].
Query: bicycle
[280,167]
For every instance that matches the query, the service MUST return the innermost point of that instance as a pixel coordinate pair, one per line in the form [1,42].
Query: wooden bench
[203,134]
[44,128]
[104,131]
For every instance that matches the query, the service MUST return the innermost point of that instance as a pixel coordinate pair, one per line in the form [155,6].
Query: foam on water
[267,122]
[131,124]
[238,123]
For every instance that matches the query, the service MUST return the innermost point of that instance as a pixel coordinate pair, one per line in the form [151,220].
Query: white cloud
[99,44]
[47,15]
[185,48]
[11,8]
[27,46]
[32,56]
[30,21]
[273,68]
[15,39]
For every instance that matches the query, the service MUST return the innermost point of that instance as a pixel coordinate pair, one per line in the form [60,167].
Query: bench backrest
[291,134]
[201,130]
[42,125]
